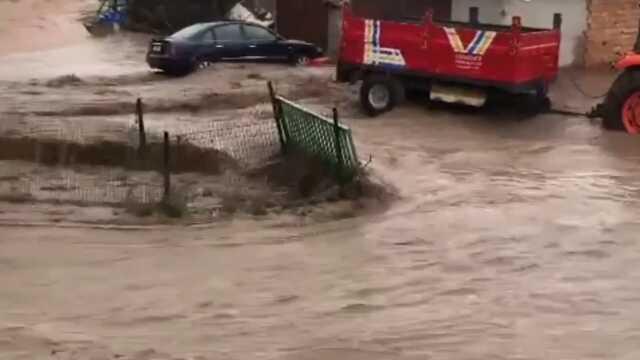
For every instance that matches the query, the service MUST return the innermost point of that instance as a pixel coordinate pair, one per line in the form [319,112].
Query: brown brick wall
[611,29]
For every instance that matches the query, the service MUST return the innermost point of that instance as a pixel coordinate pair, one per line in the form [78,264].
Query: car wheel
[200,64]
[380,93]
[203,64]
[301,60]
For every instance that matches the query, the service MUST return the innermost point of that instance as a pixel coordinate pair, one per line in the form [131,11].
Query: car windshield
[189,33]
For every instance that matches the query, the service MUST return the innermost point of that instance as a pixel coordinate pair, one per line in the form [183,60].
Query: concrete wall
[334,33]
[537,13]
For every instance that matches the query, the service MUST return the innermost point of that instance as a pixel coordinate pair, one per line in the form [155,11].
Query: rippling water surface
[512,240]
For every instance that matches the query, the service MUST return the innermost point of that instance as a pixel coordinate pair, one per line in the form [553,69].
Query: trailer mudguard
[629,61]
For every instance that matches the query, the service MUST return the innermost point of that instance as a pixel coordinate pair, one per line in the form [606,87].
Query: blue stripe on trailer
[476,43]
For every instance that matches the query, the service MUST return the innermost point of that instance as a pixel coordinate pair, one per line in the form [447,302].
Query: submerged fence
[316,135]
[248,141]
[129,162]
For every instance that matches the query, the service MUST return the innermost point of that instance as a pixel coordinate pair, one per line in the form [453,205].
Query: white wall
[489,10]
[535,13]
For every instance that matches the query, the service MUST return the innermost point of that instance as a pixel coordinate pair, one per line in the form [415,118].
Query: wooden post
[142,144]
[338,144]
[166,167]
[474,15]
[557,21]
[277,114]
[516,30]
[636,47]
[177,153]
[428,16]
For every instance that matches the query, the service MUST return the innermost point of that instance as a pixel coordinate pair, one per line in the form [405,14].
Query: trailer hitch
[595,113]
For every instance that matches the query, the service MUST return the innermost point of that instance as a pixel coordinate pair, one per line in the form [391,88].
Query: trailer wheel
[621,108]
[380,94]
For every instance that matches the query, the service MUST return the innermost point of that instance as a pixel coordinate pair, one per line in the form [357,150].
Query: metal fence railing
[127,162]
[316,135]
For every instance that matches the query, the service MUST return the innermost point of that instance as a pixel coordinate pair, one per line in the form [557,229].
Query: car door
[207,46]
[264,44]
[229,41]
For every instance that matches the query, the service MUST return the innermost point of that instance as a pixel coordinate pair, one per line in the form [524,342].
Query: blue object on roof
[115,13]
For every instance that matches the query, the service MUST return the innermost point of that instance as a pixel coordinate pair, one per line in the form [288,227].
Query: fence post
[557,21]
[166,170]
[474,15]
[278,117]
[336,130]
[142,144]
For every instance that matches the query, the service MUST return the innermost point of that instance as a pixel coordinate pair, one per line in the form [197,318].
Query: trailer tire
[626,85]
[380,94]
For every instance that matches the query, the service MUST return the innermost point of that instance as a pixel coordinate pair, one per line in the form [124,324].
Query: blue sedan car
[203,43]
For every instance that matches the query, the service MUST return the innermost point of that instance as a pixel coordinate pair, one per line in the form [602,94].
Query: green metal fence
[318,136]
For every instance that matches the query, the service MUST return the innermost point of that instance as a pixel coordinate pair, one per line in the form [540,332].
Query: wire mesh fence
[68,162]
[103,186]
[247,140]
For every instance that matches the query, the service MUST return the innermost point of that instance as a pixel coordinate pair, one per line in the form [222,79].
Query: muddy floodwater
[512,238]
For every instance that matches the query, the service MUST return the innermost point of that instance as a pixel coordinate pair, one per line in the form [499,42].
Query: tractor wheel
[380,94]
[621,109]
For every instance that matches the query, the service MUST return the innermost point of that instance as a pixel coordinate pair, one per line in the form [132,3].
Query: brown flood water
[33,25]
[514,239]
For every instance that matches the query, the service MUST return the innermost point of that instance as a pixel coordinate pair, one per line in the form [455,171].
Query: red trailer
[452,61]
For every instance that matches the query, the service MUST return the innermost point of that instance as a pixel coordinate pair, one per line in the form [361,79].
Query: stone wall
[612,26]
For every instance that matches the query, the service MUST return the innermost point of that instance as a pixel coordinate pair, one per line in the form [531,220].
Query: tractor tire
[626,85]
[380,93]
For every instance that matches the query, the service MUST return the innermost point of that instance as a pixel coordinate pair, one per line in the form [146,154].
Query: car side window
[256,33]
[207,36]
[229,32]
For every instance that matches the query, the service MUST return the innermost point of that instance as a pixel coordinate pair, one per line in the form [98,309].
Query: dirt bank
[184,157]
[107,195]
